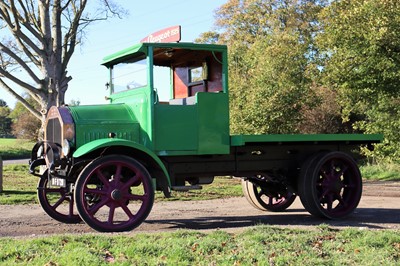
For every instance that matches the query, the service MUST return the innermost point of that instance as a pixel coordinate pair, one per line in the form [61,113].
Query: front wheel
[114,193]
[57,202]
[330,185]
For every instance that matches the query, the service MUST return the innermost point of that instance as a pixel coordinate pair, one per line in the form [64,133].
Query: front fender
[104,143]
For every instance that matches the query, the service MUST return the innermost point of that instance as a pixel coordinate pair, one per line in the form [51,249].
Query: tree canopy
[361,40]
[272,61]
[313,66]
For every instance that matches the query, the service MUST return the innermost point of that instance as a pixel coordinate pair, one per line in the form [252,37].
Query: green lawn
[15,148]
[384,172]
[260,245]
[19,187]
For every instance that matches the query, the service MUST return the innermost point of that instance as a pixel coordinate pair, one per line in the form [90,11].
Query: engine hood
[104,121]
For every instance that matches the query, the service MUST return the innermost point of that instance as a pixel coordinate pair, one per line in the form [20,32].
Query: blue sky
[104,38]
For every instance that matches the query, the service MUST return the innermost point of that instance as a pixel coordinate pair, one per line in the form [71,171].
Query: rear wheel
[266,200]
[57,202]
[330,185]
[114,193]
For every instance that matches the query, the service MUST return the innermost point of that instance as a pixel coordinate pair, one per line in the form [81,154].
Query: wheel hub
[116,194]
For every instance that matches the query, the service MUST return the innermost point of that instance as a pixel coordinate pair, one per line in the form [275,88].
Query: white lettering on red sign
[171,34]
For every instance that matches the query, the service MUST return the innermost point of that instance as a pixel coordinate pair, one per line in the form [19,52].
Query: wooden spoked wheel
[114,193]
[57,202]
[330,185]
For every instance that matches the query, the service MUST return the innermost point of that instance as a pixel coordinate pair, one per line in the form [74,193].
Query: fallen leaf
[194,247]
[109,257]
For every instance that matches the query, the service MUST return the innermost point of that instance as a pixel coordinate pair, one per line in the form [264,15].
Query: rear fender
[101,145]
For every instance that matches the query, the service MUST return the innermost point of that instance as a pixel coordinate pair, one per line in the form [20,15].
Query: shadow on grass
[17,192]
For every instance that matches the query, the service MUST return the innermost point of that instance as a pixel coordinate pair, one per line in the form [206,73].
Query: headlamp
[66,148]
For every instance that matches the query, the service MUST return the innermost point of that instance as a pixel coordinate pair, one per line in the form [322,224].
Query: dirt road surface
[379,209]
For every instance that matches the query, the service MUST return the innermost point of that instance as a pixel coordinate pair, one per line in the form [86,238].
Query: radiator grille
[53,131]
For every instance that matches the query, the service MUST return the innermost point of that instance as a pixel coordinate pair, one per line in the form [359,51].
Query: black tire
[330,185]
[106,192]
[258,199]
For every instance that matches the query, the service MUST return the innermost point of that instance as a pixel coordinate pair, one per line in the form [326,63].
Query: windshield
[129,75]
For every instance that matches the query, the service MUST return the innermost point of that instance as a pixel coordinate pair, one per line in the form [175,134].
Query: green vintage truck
[166,128]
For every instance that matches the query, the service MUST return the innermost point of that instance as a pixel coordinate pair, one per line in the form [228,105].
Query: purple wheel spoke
[342,171]
[102,178]
[117,175]
[96,207]
[71,207]
[127,211]
[323,194]
[130,182]
[332,170]
[329,202]
[136,197]
[340,199]
[95,191]
[111,214]
[59,201]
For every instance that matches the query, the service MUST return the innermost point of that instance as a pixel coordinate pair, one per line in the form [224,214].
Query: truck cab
[177,92]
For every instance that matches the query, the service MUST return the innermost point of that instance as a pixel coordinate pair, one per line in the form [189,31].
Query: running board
[186,188]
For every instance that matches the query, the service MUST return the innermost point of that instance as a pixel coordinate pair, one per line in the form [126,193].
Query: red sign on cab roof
[171,34]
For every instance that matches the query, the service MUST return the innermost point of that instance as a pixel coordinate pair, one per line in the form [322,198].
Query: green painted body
[202,128]
[97,121]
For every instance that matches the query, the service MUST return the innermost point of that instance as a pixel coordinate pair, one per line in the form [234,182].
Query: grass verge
[260,245]
[384,172]
[15,148]
[19,187]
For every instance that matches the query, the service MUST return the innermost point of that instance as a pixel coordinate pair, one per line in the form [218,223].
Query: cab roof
[141,49]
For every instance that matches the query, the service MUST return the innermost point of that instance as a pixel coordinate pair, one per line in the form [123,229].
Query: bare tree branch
[66,5]
[21,99]
[17,80]
[29,18]
[19,36]
[21,62]
[70,38]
